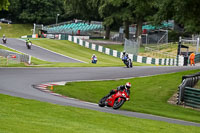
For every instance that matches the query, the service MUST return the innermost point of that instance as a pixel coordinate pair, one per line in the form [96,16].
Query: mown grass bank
[81,53]
[75,51]
[148,94]
[29,116]
[15,30]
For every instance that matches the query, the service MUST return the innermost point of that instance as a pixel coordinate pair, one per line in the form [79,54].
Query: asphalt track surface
[38,52]
[19,81]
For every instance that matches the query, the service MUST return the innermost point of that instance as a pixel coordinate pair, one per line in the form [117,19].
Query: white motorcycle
[4,40]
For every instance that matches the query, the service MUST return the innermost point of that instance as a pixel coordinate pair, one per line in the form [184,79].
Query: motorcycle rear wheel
[117,104]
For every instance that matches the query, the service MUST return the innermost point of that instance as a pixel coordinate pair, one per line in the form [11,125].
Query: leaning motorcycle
[4,40]
[115,101]
[127,62]
[28,44]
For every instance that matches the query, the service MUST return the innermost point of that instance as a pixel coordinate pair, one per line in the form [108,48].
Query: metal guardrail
[186,92]
[192,97]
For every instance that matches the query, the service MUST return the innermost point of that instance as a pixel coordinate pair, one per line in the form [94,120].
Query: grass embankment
[15,30]
[148,94]
[81,53]
[29,116]
[72,50]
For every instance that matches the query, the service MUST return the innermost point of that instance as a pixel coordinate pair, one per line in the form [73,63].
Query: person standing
[192,57]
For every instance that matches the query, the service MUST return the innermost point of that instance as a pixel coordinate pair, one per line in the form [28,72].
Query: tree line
[111,12]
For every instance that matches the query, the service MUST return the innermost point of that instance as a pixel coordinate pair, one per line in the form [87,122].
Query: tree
[184,12]
[4,5]
[35,11]
[85,10]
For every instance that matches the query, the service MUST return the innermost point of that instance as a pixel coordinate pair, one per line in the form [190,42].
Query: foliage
[4,4]
[185,13]
[85,10]
[35,11]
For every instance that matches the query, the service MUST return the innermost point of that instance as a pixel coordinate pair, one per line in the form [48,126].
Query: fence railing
[192,97]
[15,56]
[187,95]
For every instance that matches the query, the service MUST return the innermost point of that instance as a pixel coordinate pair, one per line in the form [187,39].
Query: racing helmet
[128,85]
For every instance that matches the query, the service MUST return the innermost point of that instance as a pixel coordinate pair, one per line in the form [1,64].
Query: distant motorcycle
[115,101]
[4,40]
[28,44]
[127,62]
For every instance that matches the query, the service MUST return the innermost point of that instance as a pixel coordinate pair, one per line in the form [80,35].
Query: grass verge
[148,94]
[15,30]
[29,116]
[81,53]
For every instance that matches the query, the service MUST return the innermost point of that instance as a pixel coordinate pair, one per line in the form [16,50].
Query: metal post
[57,18]
[146,39]
[197,50]
[34,28]
[29,60]
[167,36]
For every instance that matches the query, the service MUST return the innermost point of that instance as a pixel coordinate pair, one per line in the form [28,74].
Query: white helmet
[128,85]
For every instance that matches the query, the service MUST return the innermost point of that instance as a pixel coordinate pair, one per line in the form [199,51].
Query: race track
[38,52]
[19,82]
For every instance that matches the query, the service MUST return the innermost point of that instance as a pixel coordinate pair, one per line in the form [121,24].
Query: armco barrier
[179,61]
[188,95]
[192,97]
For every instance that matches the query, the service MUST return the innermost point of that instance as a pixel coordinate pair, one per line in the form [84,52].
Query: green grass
[73,50]
[81,53]
[29,116]
[148,94]
[15,30]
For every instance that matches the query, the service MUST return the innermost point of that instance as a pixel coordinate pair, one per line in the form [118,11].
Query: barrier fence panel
[192,97]
[131,46]
[188,95]
[13,57]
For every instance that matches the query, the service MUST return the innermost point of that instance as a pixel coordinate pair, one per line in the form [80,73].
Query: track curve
[38,52]
[18,82]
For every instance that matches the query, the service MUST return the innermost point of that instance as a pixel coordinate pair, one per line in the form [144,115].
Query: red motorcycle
[115,101]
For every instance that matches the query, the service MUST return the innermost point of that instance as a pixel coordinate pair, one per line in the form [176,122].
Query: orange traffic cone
[51,87]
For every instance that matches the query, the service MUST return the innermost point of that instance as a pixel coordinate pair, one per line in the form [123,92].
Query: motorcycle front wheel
[102,102]
[118,104]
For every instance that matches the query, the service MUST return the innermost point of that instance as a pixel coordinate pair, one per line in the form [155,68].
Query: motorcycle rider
[4,37]
[27,41]
[127,87]
[124,57]
[94,59]
[126,60]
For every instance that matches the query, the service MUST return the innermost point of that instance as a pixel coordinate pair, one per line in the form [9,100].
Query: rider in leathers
[121,88]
